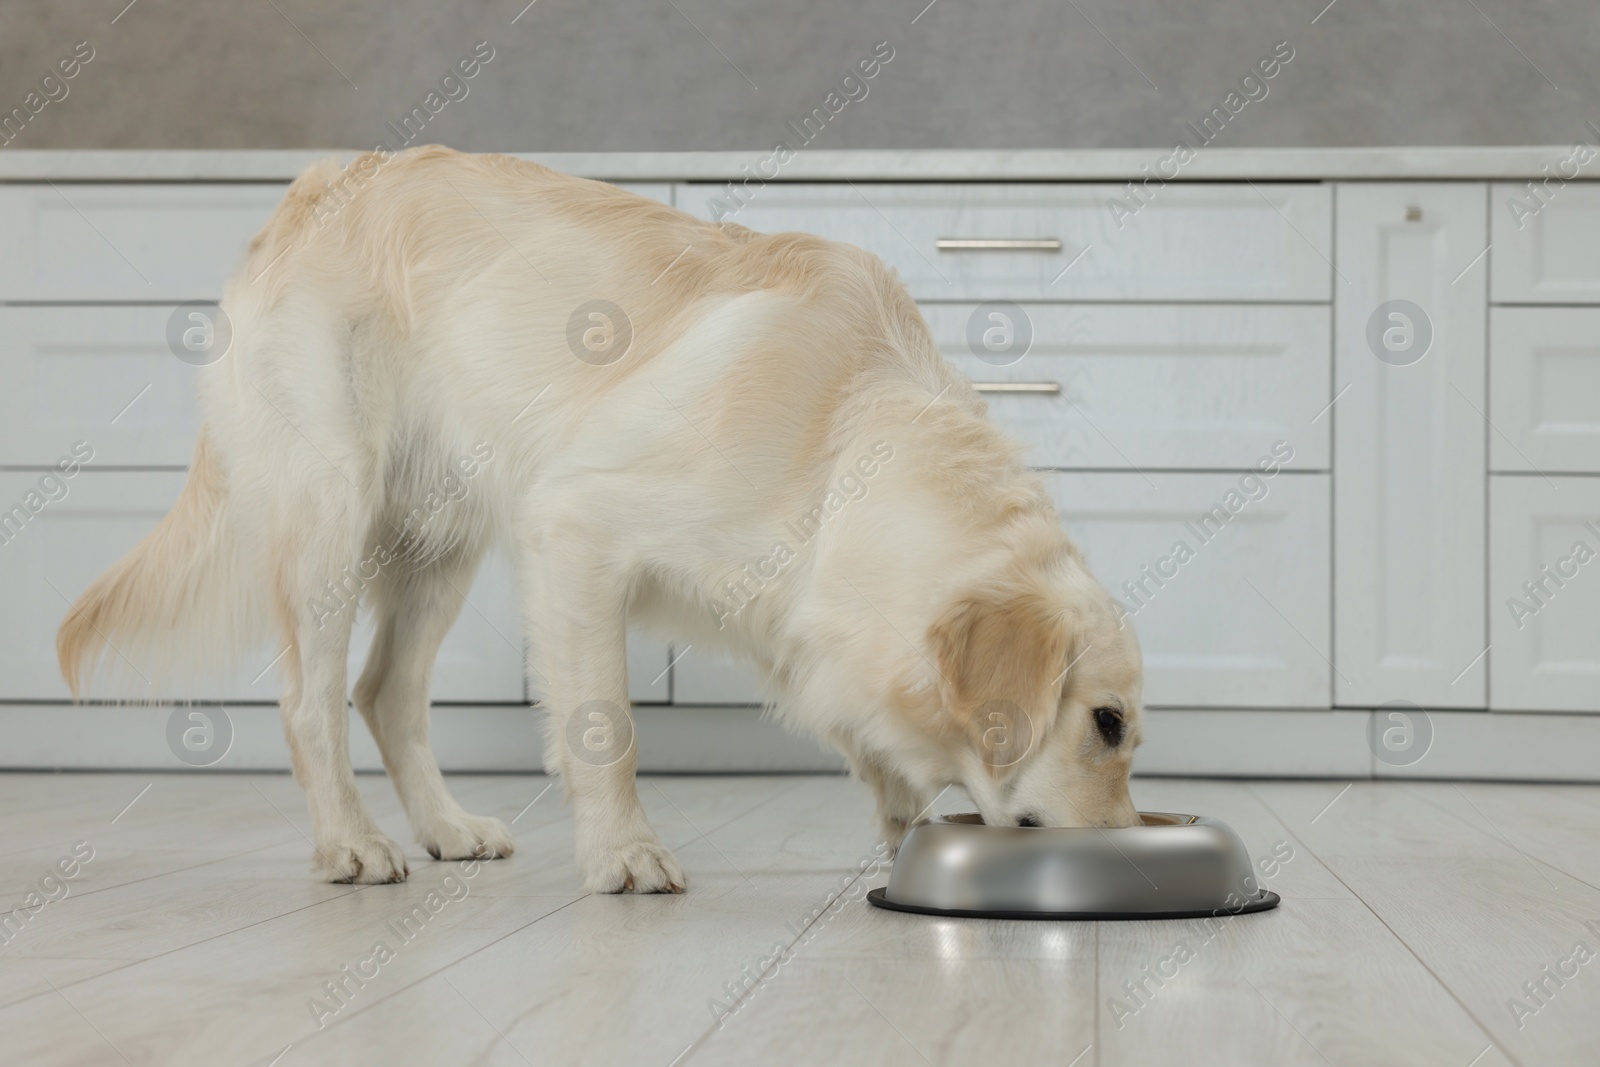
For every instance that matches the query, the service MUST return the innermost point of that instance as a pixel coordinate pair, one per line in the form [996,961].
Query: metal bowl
[1172,867]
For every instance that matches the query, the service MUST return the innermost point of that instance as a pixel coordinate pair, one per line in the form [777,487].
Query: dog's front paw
[366,859]
[467,837]
[637,867]
[894,830]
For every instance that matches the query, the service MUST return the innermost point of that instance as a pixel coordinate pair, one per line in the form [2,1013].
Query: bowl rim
[1167,820]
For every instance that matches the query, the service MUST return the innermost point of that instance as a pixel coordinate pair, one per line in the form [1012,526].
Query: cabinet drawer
[103,375]
[1544,593]
[127,242]
[138,242]
[54,553]
[1544,373]
[1239,615]
[1190,242]
[1545,255]
[1173,386]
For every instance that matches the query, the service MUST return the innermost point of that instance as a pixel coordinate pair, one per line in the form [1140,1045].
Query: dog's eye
[1029,820]
[1109,723]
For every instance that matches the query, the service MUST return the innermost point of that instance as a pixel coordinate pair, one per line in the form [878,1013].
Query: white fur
[373,351]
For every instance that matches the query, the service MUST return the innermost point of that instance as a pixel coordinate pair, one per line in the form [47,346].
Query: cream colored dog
[744,438]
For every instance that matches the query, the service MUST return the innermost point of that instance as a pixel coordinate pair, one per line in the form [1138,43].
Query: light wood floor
[1412,915]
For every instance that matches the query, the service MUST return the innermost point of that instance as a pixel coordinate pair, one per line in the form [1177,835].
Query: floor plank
[1412,914]
[1314,982]
[1482,915]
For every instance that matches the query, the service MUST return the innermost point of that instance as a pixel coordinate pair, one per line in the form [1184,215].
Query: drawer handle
[1047,388]
[998,244]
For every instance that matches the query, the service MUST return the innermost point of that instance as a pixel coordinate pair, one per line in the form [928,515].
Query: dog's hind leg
[575,605]
[315,553]
[415,607]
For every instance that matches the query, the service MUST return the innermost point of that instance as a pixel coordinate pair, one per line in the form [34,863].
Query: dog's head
[1039,687]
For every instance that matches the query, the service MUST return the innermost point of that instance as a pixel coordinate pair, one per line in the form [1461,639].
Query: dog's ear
[999,656]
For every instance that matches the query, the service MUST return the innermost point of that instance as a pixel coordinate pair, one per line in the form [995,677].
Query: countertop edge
[1511,163]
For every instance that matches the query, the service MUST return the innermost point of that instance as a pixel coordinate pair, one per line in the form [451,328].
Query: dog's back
[435,352]
[400,313]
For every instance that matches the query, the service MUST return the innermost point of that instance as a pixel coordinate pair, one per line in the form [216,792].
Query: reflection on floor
[1421,923]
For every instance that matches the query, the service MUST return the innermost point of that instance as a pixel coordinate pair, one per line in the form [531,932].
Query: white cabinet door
[1544,396]
[1544,593]
[101,375]
[1176,386]
[1224,576]
[1545,254]
[960,242]
[649,669]
[167,242]
[702,675]
[50,555]
[1410,445]
[55,548]
[480,661]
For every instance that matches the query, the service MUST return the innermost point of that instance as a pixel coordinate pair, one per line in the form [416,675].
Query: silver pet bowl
[1172,867]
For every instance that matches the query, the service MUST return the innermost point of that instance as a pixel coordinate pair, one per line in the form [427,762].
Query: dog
[747,439]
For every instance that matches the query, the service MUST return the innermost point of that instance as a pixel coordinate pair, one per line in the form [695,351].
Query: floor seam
[584,896]
[239,929]
[440,971]
[175,870]
[1096,1029]
[1501,840]
[192,944]
[778,960]
[741,815]
[1451,993]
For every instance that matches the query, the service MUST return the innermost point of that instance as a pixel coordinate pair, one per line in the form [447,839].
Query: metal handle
[998,244]
[1051,388]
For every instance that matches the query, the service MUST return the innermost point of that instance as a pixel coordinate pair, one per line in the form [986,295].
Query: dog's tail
[186,596]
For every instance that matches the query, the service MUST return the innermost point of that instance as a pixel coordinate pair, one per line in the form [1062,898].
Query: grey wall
[605,74]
